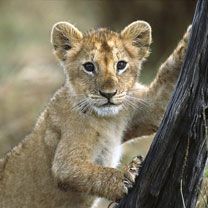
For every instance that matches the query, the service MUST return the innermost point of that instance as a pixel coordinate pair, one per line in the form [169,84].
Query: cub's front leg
[73,170]
[153,99]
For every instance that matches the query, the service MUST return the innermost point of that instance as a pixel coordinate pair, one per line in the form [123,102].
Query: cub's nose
[108,95]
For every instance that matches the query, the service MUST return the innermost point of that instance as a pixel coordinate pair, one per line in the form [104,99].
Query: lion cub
[70,156]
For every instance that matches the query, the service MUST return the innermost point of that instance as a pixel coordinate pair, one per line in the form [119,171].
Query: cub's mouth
[109,104]
[108,109]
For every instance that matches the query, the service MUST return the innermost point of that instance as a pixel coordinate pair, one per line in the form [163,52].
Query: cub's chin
[107,110]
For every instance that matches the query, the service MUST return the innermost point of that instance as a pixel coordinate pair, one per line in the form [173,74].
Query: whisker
[128,105]
[131,104]
[80,104]
[84,107]
[125,106]
[119,96]
[136,103]
[138,100]
[76,95]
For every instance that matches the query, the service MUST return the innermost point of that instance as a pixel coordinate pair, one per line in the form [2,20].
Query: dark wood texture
[173,168]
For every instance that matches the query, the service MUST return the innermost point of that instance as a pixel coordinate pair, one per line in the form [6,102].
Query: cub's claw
[128,184]
[132,171]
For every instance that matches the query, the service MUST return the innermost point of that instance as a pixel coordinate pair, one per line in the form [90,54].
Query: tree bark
[172,171]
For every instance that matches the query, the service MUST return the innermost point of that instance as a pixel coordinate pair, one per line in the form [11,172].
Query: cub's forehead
[102,40]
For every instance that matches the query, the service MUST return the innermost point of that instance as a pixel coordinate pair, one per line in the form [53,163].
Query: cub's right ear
[138,34]
[65,37]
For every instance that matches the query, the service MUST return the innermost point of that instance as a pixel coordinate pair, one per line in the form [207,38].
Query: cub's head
[101,66]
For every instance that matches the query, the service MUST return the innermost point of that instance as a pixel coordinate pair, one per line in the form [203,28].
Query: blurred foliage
[206,172]
[25,26]
[203,195]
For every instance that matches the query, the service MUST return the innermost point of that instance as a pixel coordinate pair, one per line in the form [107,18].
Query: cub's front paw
[132,171]
[121,181]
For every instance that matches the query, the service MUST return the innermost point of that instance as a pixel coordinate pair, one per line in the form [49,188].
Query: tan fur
[70,156]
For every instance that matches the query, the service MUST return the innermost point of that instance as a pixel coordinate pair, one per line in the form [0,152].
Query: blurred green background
[25,26]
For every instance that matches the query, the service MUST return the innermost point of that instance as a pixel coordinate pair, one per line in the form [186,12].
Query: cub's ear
[65,37]
[138,33]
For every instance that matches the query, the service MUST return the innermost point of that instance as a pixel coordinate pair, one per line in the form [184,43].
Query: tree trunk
[172,171]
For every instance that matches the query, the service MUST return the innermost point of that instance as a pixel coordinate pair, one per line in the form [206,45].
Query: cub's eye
[121,66]
[89,67]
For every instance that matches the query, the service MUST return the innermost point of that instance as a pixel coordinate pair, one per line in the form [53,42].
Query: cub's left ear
[65,37]
[139,34]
